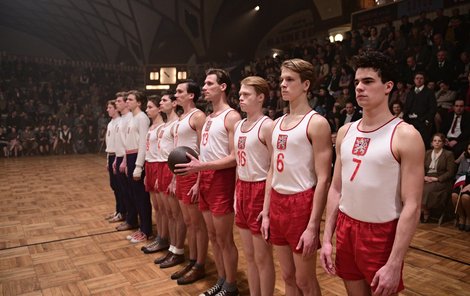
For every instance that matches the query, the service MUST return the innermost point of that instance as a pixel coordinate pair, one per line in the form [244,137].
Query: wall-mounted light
[257,8]
[338,37]
[157,87]
[154,76]
[182,75]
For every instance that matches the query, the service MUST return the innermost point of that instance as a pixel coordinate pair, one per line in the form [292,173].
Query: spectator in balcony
[421,21]
[405,26]
[332,82]
[440,22]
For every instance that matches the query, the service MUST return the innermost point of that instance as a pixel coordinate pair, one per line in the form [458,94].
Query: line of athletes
[279,173]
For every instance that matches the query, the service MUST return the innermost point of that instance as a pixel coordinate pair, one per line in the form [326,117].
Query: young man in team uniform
[135,158]
[375,198]
[111,134]
[252,143]
[165,145]
[299,178]
[216,165]
[119,165]
[188,131]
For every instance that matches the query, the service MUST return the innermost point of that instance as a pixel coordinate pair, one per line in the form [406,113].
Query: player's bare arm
[332,206]
[319,134]
[408,146]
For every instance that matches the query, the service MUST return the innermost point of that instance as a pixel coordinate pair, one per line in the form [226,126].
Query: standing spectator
[441,21]
[79,141]
[91,139]
[4,142]
[15,144]
[420,108]
[28,139]
[65,140]
[43,140]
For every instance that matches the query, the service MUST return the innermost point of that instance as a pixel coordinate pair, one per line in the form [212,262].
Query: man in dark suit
[441,68]
[420,108]
[350,114]
[456,128]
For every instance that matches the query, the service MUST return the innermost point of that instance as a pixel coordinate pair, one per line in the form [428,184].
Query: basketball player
[375,197]
[151,171]
[135,158]
[176,226]
[111,134]
[188,132]
[217,180]
[119,165]
[252,143]
[299,179]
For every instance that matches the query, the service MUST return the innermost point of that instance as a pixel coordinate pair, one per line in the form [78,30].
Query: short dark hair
[222,77]
[139,96]
[192,88]
[381,63]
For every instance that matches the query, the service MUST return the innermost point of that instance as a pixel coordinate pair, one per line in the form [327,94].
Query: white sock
[171,249]
[177,251]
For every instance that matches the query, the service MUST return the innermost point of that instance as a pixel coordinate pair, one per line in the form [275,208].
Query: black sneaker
[212,291]
[224,292]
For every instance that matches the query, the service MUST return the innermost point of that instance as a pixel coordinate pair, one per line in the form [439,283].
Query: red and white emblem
[241,142]
[282,142]
[208,126]
[360,146]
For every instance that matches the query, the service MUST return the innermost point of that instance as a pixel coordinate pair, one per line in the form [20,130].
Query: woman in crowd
[439,172]
[463,207]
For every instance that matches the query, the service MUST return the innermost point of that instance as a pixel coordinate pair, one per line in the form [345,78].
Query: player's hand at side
[194,192]
[326,258]
[309,241]
[156,185]
[264,218]
[123,167]
[188,168]
[114,168]
[386,280]
[172,187]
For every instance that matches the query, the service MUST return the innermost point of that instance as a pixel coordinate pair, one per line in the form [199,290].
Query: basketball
[178,155]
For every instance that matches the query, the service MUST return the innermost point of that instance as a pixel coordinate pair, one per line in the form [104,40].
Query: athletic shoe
[131,236]
[138,238]
[212,290]
[224,292]
[117,218]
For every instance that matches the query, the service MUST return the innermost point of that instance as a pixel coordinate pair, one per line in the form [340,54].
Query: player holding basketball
[217,180]
[375,198]
[188,131]
[252,142]
[298,181]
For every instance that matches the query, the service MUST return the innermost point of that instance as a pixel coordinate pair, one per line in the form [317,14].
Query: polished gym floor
[54,241]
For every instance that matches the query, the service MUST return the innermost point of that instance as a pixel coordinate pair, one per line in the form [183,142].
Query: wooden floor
[54,241]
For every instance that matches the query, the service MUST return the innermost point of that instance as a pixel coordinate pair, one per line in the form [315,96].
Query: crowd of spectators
[55,106]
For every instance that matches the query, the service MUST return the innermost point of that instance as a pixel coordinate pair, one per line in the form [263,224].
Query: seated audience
[463,207]
[456,127]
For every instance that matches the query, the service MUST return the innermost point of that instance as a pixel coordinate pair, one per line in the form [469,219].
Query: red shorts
[164,177]
[250,198]
[216,189]
[183,185]
[289,215]
[151,173]
[362,248]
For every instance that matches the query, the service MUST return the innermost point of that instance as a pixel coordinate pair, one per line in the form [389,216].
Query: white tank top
[151,144]
[214,142]
[294,165]
[121,129]
[165,141]
[370,174]
[251,154]
[185,135]
[111,134]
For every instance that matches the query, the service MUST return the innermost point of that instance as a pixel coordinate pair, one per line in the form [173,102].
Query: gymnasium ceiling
[153,31]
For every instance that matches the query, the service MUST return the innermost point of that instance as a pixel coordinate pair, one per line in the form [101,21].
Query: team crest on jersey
[282,142]
[241,142]
[360,146]
[208,126]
